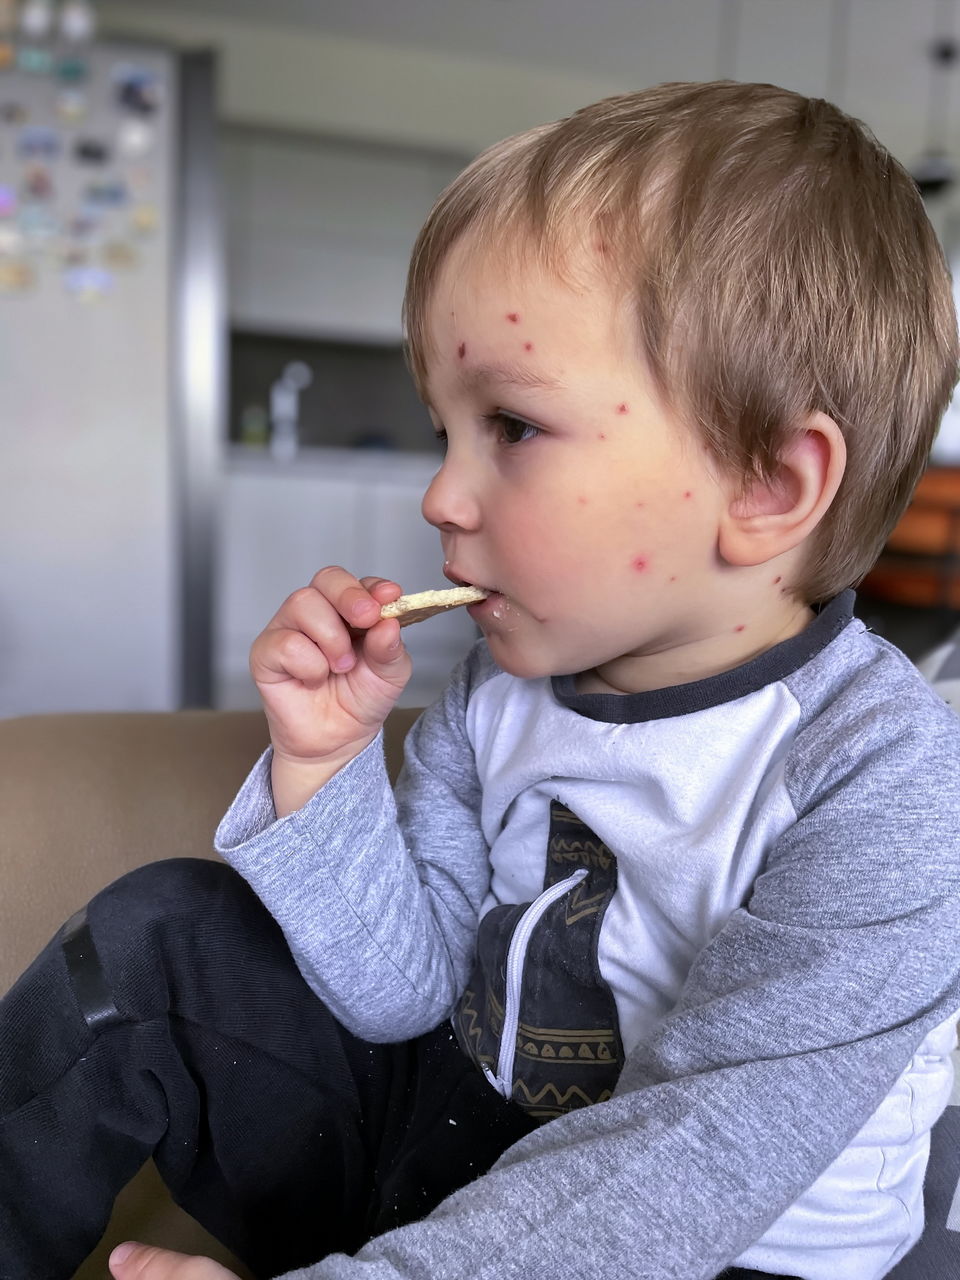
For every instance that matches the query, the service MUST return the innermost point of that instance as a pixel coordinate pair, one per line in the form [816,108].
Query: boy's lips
[490,605]
[459,581]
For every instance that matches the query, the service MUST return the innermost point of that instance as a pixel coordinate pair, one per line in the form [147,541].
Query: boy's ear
[773,516]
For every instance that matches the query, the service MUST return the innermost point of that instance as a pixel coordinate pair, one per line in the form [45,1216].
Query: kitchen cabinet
[319,232]
[281,522]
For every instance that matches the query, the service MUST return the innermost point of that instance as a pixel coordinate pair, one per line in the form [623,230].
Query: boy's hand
[144,1262]
[329,670]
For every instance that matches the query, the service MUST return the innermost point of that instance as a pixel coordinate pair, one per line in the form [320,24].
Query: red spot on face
[778,578]
[601,436]
[514,317]
[582,500]
[688,494]
[741,627]
[640,563]
[601,247]
[462,350]
[623,408]
[673,578]
[641,504]
[528,346]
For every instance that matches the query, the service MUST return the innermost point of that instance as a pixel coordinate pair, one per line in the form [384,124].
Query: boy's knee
[141,939]
[172,888]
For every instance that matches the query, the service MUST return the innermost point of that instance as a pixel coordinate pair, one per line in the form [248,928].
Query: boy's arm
[793,1026]
[379,907]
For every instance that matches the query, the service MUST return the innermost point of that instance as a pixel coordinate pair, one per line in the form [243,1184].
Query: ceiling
[869,56]
[598,37]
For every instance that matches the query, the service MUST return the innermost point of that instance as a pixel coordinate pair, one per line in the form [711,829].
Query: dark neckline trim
[683,699]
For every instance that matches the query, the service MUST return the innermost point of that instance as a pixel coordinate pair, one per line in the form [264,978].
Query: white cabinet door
[280,524]
[276,531]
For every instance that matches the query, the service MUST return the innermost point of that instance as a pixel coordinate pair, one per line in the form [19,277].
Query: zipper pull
[502,1086]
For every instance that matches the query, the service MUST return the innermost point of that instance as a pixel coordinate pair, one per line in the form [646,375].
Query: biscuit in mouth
[424,604]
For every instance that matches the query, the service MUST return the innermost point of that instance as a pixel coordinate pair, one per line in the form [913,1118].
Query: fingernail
[121,1253]
[344,663]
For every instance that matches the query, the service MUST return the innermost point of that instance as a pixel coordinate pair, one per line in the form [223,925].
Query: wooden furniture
[920,564]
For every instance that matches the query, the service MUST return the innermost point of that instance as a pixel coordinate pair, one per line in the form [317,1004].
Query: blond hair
[779,262]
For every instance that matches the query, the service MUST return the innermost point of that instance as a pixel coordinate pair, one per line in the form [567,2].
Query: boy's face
[567,489]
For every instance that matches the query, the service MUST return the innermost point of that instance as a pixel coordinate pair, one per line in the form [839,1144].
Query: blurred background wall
[306,140]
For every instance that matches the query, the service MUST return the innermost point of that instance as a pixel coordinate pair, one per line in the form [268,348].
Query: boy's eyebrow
[477,376]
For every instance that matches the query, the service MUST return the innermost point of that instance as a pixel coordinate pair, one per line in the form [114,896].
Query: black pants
[169,1020]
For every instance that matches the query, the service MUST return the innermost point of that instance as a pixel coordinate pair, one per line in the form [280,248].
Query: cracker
[424,604]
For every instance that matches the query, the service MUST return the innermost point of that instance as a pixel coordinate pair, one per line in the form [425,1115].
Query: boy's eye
[511,430]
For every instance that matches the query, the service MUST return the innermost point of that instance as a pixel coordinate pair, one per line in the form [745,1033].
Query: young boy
[662,922]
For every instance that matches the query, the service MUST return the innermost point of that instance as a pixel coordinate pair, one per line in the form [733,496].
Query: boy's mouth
[465,582]
[490,606]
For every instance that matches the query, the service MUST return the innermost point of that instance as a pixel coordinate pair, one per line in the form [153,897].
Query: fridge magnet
[91,151]
[71,105]
[37,184]
[36,62]
[137,90]
[83,225]
[144,219]
[38,142]
[8,200]
[16,276]
[39,226]
[134,138]
[75,255]
[140,179]
[88,284]
[11,240]
[8,55]
[12,112]
[78,22]
[36,18]
[118,255]
[106,195]
[73,70]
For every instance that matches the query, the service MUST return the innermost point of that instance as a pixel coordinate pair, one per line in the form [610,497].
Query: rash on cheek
[640,564]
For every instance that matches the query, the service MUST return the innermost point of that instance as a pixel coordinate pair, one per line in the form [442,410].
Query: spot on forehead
[514,317]
[623,408]
[640,563]
[462,350]
[601,436]
[528,346]
[688,493]
[740,627]
[582,500]
[778,578]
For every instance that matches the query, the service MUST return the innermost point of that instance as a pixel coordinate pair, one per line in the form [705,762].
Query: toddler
[649,966]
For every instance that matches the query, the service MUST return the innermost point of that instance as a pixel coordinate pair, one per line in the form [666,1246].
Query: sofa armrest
[88,797]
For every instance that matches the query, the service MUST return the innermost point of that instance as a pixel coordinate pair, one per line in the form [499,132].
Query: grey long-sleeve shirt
[781,949]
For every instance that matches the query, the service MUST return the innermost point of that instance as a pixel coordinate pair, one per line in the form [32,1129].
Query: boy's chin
[526,665]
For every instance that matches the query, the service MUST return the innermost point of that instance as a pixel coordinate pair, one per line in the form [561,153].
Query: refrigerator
[112,363]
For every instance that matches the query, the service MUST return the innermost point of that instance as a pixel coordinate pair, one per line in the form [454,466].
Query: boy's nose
[450,501]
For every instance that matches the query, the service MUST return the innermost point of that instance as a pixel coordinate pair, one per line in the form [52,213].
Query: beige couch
[85,798]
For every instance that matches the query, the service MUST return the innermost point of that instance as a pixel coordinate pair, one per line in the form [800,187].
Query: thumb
[385,653]
[134,1261]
